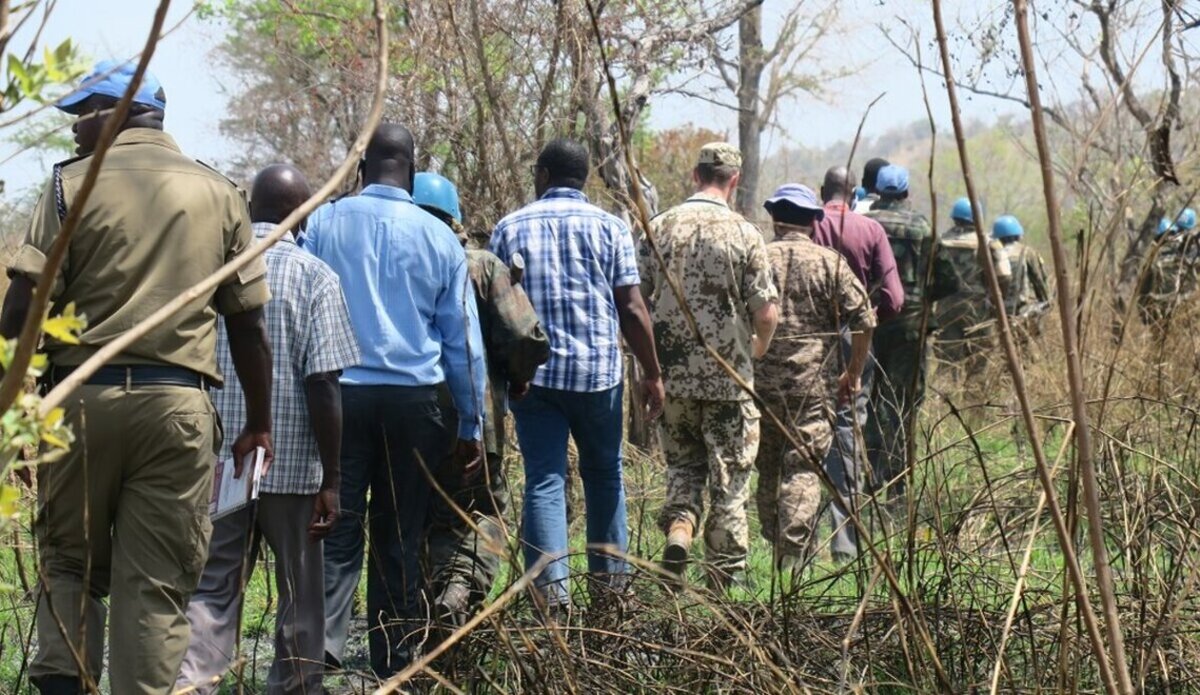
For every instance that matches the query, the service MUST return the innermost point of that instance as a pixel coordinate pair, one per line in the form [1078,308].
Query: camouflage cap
[720,154]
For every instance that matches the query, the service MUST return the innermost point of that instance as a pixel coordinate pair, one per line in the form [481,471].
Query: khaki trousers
[215,611]
[788,496]
[125,515]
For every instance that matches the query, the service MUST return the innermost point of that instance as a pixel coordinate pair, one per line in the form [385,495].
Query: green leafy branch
[28,439]
[28,79]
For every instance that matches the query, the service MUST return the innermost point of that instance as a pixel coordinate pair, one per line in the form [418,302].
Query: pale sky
[189,71]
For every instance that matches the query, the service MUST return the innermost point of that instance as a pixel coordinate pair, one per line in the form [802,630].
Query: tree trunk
[750,70]
[604,140]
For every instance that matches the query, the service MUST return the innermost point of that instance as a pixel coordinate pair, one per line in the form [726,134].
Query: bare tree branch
[1079,411]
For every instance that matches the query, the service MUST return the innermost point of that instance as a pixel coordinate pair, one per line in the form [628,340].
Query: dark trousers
[898,391]
[843,462]
[391,437]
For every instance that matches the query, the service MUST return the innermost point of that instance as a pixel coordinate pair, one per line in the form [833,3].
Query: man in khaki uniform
[125,513]
[711,425]
[798,377]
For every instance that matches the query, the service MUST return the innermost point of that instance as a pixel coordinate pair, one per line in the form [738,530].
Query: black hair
[838,183]
[871,172]
[443,216]
[787,212]
[566,162]
[390,141]
[278,189]
[716,174]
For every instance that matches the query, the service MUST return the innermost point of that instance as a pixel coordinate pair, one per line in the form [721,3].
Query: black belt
[134,375]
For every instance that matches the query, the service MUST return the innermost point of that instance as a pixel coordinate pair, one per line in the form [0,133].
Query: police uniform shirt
[155,224]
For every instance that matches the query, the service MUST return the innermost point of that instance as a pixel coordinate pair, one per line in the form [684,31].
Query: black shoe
[57,685]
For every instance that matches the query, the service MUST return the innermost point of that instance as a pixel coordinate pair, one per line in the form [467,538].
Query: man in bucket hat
[798,377]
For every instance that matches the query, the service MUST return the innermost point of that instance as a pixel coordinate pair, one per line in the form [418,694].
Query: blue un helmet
[1164,226]
[438,192]
[962,210]
[1187,220]
[1007,227]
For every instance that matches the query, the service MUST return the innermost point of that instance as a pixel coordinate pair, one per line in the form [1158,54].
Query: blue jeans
[544,418]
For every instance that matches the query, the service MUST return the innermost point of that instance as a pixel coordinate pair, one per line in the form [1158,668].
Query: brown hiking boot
[679,541]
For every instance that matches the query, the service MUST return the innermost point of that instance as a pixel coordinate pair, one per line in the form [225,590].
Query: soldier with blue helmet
[1186,221]
[437,195]
[461,559]
[899,345]
[1172,276]
[1028,295]
[965,317]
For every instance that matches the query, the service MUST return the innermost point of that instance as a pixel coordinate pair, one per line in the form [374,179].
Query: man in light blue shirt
[404,275]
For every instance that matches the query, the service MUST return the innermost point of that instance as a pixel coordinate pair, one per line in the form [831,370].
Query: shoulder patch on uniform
[213,169]
[60,201]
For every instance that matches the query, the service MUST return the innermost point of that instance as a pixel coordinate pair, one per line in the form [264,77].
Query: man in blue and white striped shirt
[581,276]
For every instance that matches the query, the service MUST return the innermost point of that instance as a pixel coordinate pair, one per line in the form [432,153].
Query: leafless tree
[787,66]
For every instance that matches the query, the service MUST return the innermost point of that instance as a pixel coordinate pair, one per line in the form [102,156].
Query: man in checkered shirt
[581,276]
[312,341]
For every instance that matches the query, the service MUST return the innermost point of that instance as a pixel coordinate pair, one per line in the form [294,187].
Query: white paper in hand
[231,494]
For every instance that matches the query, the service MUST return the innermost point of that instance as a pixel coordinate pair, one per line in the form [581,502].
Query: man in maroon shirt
[864,245]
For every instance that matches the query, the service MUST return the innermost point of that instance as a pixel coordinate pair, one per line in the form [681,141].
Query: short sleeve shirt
[575,256]
[720,261]
[311,333]
[155,224]
[817,293]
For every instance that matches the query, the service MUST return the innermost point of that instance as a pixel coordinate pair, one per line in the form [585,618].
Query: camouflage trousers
[460,552]
[710,446]
[898,391]
[966,338]
[789,493]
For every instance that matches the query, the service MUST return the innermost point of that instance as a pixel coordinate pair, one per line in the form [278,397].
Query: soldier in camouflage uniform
[1172,277]
[798,376]
[461,558]
[965,317]
[1028,295]
[711,426]
[899,346]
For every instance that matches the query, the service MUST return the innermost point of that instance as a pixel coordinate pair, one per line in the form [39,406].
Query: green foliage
[24,433]
[35,81]
[313,27]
